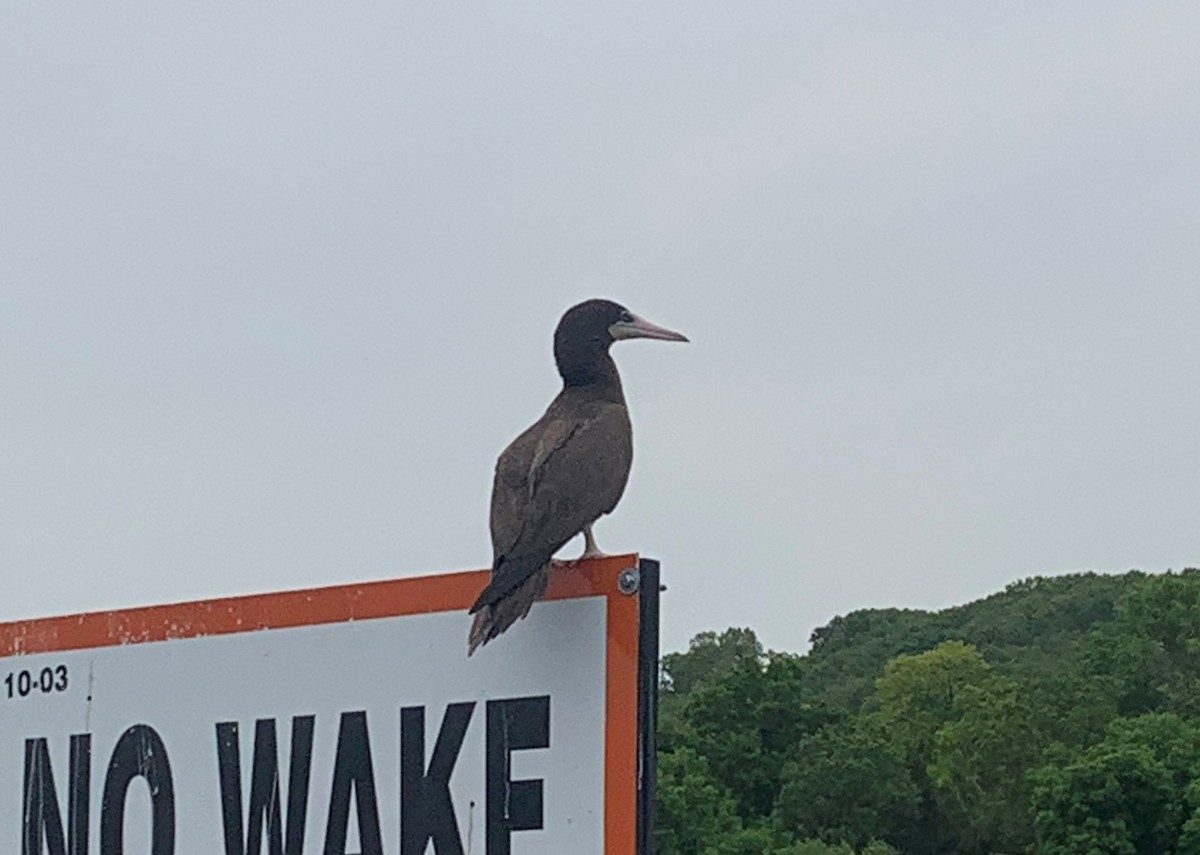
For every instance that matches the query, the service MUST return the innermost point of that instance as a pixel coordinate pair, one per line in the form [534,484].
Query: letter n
[42,821]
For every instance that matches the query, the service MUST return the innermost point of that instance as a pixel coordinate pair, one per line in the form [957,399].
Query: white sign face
[363,736]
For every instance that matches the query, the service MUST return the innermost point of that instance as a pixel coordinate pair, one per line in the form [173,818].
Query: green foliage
[877,847]
[917,695]
[1189,835]
[745,725]
[1061,715]
[1132,793]
[846,783]
[1033,627]
[753,840]
[1072,706]
[1151,650]
[849,653]
[709,657]
[980,761]
[816,847]
[694,813]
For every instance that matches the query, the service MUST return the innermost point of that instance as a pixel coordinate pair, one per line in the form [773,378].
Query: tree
[816,847]
[1189,835]
[709,657]
[981,760]
[1151,650]
[1132,794]
[820,847]
[695,815]
[917,694]
[917,697]
[846,783]
[921,728]
[745,725]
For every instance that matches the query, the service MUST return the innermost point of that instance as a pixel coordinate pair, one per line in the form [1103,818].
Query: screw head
[629,580]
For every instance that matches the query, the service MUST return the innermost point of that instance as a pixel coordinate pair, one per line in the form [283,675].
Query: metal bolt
[629,580]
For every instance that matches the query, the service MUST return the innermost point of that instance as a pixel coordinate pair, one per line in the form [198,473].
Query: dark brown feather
[564,472]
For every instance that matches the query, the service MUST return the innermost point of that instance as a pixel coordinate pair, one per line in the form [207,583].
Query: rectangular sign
[331,721]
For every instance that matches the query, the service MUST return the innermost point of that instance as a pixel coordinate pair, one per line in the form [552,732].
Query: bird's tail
[495,618]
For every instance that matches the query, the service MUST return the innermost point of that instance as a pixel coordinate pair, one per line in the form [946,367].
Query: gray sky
[278,284]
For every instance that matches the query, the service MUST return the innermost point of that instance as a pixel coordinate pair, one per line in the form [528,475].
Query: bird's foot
[560,563]
[590,549]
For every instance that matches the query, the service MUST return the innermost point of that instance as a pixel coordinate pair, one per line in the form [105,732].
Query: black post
[648,589]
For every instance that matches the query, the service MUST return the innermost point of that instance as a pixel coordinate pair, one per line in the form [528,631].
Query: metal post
[647,704]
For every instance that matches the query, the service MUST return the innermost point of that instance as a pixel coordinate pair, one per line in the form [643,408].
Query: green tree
[947,711]
[751,840]
[820,847]
[709,657]
[846,783]
[1151,650]
[1189,835]
[816,847]
[981,760]
[917,695]
[745,725]
[877,847]
[695,815]
[1030,631]
[1070,705]
[1132,794]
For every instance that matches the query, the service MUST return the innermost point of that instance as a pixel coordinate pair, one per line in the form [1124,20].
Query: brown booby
[566,471]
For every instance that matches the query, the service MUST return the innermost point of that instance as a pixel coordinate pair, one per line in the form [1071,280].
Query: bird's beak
[642,328]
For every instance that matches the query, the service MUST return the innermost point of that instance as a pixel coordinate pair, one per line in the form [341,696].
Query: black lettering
[264,788]
[352,771]
[42,821]
[81,793]
[140,753]
[426,811]
[515,724]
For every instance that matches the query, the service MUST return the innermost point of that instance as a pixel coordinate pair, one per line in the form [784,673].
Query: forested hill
[1060,716]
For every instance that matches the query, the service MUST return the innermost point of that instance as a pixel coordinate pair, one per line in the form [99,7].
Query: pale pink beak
[642,328]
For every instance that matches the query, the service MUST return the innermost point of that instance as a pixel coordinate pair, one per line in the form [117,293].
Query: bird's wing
[556,478]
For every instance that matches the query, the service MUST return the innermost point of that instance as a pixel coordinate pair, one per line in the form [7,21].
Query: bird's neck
[597,377]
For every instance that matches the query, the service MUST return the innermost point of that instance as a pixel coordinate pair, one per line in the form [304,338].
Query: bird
[566,470]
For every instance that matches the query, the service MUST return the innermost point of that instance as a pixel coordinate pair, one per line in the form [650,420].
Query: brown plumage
[566,470]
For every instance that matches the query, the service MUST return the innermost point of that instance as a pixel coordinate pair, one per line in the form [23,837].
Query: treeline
[1060,717]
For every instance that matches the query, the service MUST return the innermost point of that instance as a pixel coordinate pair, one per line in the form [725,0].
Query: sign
[334,721]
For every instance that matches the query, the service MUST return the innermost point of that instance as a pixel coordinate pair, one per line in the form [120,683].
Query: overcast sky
[277,284]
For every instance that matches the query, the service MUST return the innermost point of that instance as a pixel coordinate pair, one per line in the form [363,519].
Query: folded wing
[562,474]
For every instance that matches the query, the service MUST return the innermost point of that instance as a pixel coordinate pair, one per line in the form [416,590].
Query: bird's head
[588,329]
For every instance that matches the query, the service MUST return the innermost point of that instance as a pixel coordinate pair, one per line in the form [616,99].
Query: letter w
[265,815]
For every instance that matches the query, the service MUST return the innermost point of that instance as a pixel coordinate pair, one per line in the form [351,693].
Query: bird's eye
[626,318]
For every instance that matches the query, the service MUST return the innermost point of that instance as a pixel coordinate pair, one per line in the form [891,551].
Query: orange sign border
[412,595]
